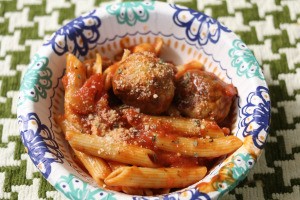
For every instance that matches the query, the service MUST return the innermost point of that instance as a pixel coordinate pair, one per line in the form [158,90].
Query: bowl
[188,35]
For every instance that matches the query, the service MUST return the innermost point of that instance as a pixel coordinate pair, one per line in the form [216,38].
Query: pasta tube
[97,167]
[132,176]
[202,147]
[109,149]
[133,191]
[181,69]
[73,81]
[76,73]
[187,126]
[97,68]
[174,125]
[108,74]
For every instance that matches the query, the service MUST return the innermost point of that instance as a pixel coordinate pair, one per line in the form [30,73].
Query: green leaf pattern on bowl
[244,61]
[230,174]
[242,163]
[74,188]
[131,12]
[37,79]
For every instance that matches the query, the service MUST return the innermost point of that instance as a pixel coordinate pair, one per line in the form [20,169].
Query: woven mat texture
[270,28]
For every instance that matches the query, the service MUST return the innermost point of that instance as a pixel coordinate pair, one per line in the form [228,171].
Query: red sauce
[167,159]
[87,95]
[92,101]
[162,158]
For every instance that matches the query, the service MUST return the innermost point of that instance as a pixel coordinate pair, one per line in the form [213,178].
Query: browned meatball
[146,82]
[201,94]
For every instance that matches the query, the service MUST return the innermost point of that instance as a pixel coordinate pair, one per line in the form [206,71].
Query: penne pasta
[110,149]
[174,125]
[73,81]
[198,147]
[133,191]
[97,167]
[158,45]
[115,165]
[108,74]
[76,73]
[181,69]
[97,67]
[125,54]
[80,92]
[188,126]
[64,124]
[144,47]
[89,65]
[148,192]
[120,144]
[132,176]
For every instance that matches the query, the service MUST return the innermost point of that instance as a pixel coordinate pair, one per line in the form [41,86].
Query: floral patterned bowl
[188,35]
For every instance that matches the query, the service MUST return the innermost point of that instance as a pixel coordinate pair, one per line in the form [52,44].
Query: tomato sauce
[84,99]
[91,101]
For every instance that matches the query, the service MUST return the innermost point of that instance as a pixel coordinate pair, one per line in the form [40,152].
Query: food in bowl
[188,36]
[201,94]
[117,120]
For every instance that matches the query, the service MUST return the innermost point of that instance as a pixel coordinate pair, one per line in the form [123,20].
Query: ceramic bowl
[188,35]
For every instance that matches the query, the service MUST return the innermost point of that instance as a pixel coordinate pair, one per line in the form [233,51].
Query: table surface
[270,28]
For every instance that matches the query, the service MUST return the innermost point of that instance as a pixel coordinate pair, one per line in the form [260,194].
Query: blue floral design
[191,194]
[199,27]
[36,81]
[39,143]
[194,194]
[78,36]
[144,198]
[256,116]
[131,12]
[74,188]
[244,61]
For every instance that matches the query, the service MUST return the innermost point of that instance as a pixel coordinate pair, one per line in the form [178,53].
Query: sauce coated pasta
[143,126]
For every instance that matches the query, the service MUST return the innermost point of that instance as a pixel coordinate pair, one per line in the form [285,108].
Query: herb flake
[154,137]
[175,141]
[197,122]
[119,71]
[195,143]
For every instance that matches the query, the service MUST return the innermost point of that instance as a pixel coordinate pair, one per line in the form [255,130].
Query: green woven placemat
[271,28]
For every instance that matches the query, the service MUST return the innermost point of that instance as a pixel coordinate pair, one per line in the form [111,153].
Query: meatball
[144,81]
[201,94]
